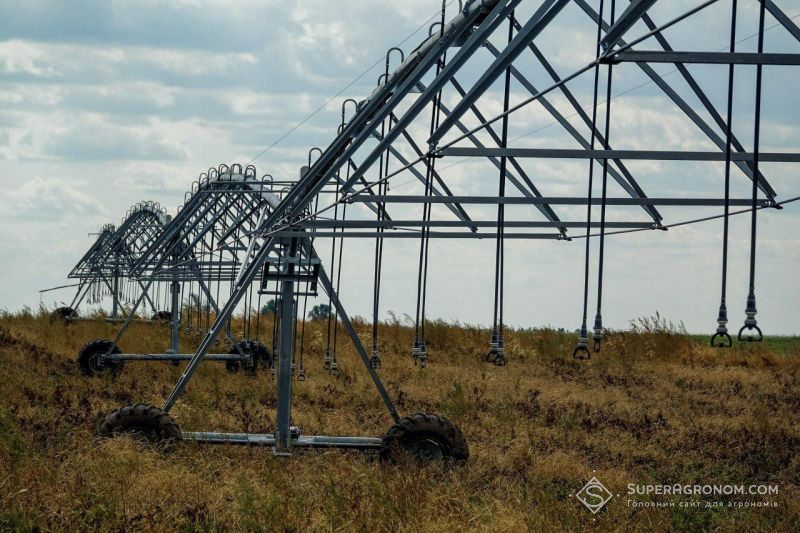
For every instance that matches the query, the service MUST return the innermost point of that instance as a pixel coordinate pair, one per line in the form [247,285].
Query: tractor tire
[64,314]
[145,423]
[425,437]
[162,316]
[262,353]
[246,348]
[88,357]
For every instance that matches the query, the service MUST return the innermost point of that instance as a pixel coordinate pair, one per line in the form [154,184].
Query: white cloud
[53,199]
[60,60]
[86,136]
[105,104]
[20,57]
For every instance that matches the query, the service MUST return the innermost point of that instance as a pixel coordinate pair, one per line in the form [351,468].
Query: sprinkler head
[423,355]
[375,361]
[500,357]
[722,318]
[327,359]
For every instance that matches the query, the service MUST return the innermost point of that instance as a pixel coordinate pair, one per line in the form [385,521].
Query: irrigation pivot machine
[200,250]
[93,284]
[467,96]
[105,269]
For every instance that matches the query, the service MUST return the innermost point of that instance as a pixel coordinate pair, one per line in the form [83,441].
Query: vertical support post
[115,294]
[175,319]
[285,350]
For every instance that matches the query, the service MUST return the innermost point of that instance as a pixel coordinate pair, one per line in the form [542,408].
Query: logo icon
[594,495]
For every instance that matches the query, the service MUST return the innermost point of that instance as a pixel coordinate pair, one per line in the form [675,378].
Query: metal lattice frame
[89,269]
[109,261]
[436,105]
[202,246]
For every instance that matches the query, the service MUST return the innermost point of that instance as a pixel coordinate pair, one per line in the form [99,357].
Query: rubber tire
[396,445]
[162,316]
[234,366]
[87,357]
[63,313]
[261,352]
[144,422]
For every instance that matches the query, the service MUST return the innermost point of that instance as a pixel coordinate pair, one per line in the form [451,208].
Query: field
[656,407]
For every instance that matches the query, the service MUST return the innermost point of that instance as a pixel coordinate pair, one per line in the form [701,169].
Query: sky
[107,103]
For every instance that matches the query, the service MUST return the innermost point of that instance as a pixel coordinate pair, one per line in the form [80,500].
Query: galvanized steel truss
[442,102]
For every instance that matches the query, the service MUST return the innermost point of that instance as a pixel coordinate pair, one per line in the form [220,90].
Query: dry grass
[655,407]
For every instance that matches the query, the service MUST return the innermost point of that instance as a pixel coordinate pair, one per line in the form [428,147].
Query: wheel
[64,314]
[424,437]
[143,422]
[246,348]
[162,316]
[496,356]
[89,357]
[262,353]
